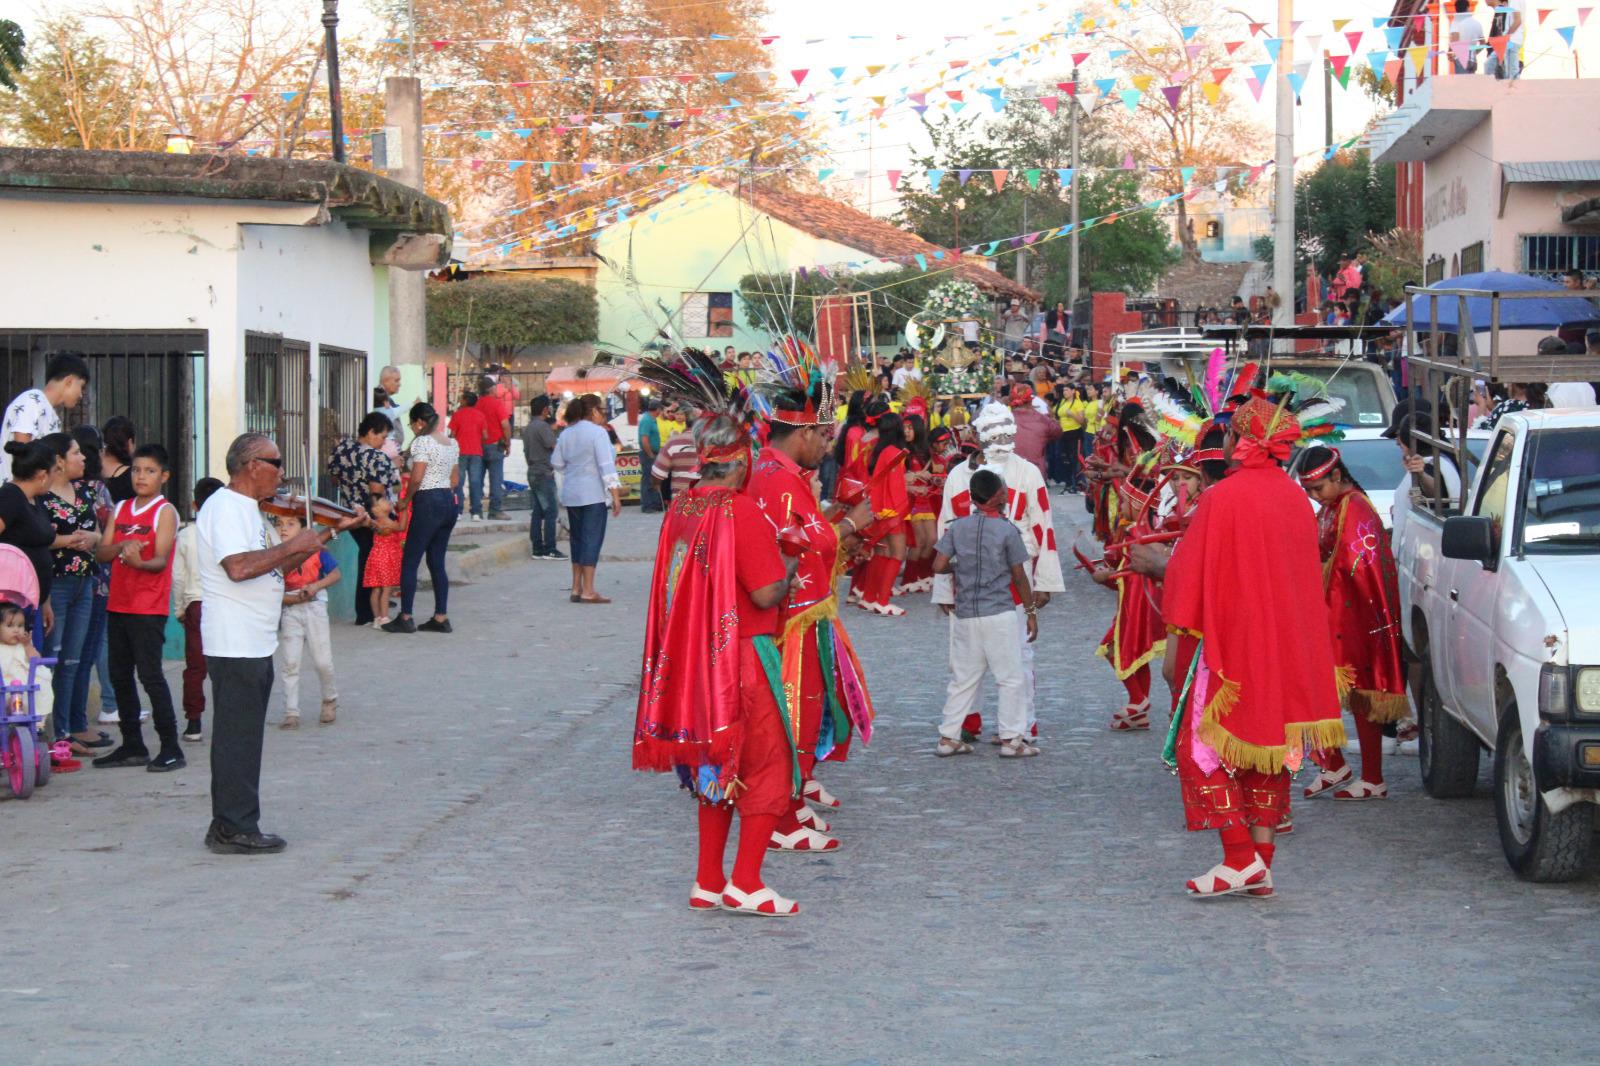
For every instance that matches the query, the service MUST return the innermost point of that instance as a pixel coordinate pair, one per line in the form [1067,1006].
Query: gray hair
[245,447]
[386,371]
[717,432]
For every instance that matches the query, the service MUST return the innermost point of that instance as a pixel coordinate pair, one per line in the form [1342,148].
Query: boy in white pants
[304,626]
[988,560]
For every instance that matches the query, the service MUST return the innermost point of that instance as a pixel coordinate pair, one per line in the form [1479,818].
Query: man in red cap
[1035,431]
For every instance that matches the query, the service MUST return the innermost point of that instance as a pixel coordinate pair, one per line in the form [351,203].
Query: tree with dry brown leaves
[1189,131]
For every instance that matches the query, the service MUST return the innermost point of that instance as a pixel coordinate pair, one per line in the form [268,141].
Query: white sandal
[1363,790]
[1326,780]
[1223,880]
[808,817]
[803,839]
[888,610]
[701,900]
[817,794]
[763,902]
[1133,716]
[948,747]
[1017,748]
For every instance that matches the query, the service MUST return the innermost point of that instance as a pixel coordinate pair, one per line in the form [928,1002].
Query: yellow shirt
[670,427]
[1093,418]
[1073,414]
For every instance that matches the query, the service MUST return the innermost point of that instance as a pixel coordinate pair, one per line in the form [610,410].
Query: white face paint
[997,432]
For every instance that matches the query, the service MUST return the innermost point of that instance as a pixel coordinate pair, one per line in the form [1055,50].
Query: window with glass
[1561,500]
[1491,502]
[706,314]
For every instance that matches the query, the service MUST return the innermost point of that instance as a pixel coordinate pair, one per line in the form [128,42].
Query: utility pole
[402,118]
[1327,101]
[330,26]
[1072,196]
[1283,211]
[1022,253]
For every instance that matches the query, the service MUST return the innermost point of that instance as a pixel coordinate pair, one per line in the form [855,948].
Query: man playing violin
[241,566]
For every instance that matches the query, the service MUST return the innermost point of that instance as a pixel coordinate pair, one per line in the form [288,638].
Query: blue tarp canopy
[1541,312]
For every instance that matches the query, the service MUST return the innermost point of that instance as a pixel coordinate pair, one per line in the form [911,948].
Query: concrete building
[680,273]
[211,294]
[1227,226]
[1503,175]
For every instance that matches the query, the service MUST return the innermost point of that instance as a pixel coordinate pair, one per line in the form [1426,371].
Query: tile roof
[842,224]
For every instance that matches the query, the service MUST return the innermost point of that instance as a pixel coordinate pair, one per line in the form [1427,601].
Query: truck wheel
[1540,846]
[1447,752]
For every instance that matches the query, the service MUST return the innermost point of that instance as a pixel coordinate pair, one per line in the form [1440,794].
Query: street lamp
[330,24]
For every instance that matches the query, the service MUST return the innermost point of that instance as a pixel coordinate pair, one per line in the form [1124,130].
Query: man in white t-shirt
[241,567]
[33,414]
[1466,36]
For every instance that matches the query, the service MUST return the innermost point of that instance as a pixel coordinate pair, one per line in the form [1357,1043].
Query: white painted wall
[145,263]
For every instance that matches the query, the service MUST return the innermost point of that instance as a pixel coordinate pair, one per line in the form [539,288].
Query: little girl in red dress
[382,575]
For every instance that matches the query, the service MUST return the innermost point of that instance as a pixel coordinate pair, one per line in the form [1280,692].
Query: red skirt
[1222,799]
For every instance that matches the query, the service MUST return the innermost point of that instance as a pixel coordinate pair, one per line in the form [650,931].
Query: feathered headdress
[689,377]
[858,379]
[914,397]
[1315,411]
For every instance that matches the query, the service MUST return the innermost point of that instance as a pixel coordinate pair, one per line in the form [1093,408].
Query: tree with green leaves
[1338,205]
[77,92]
[13,49]
[787,303]
[507,313]
[1034,146]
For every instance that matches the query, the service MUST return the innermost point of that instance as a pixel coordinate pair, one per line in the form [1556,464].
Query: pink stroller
[25,758]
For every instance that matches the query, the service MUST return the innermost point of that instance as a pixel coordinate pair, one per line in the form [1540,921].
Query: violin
[320,511]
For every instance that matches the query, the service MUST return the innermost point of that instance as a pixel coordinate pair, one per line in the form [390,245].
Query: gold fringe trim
[1222,702]
[822,610]
[1379,707]
[1344,679]
[1179,631]
[1270,758]
[1158,649]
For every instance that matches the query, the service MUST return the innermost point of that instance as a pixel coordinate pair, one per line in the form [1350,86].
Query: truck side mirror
[1468,537]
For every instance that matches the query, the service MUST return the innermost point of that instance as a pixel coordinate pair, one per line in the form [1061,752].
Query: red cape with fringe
[1363,596]
[689,711]
[1246,577]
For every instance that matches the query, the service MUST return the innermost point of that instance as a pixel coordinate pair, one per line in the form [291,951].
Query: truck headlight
[1586,690]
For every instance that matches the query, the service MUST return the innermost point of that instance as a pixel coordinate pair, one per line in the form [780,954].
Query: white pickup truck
[1501,610]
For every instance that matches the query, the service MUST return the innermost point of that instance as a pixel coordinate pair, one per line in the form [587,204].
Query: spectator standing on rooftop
[496,442]
[34,413]
[1466,37]
[538,442]
[1510,22]
[1014,326]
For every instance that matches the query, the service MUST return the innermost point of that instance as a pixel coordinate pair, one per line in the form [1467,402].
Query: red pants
[1220,799]
[194,665]
[764,765]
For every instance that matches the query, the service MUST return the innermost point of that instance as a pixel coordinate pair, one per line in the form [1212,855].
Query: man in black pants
[241,582]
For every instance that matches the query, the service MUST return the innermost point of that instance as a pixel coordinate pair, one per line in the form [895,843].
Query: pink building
[1507,173]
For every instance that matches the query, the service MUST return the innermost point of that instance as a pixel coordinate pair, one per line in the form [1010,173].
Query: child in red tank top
[139,546]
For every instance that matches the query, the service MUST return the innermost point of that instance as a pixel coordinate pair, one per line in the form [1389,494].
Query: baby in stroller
[16,652]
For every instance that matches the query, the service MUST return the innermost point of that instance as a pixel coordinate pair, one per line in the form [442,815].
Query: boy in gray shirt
[987,559]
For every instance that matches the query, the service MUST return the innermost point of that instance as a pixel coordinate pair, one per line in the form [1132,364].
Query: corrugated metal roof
[1571,170]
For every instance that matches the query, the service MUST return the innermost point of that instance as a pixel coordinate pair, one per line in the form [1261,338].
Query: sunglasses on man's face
[277,462]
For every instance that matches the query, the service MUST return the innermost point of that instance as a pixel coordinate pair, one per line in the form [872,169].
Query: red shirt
[140,591]
[494,412]
[759,564]
[469,427]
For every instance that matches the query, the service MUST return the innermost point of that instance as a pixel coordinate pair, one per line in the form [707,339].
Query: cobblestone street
[475,875]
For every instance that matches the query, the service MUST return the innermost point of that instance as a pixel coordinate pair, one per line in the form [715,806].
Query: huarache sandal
[948,747]
[808,817]
[817,794]
[1327,779]
[763,902]
[1133,716]
[1222,880]
[1363,790]
[802,839]
[701,900]
[1017,748]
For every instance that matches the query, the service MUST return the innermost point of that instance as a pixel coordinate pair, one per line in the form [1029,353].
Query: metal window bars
[1444,365]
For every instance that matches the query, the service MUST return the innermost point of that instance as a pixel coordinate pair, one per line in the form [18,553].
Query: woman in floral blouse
[72,512]
[360,467]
